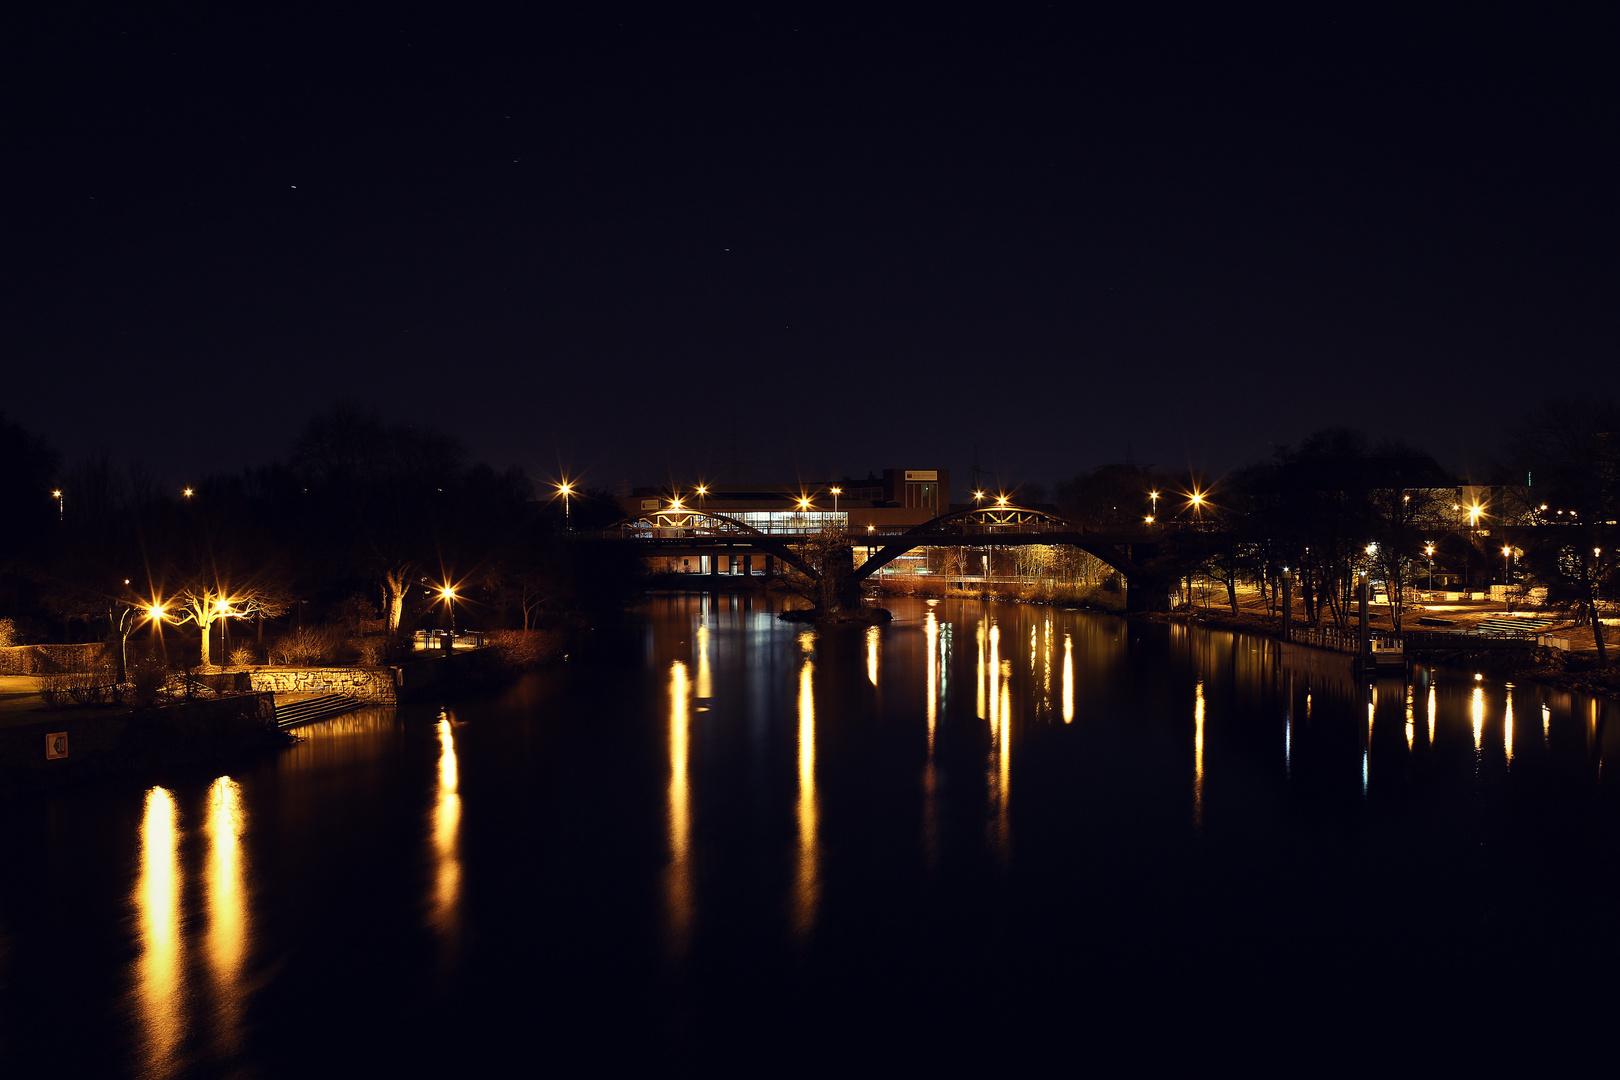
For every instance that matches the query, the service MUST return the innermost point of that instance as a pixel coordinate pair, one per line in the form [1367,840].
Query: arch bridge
[687,531]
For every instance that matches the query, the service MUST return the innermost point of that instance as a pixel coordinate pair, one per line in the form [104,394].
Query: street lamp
[702,493]
[837,491]
[1507,572]
[565,489]
[978,496]
[61,515]
[448,594]
[1154,495]
[186,493]
[1428,549]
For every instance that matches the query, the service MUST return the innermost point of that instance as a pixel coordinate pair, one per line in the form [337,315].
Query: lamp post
[448,593]
[1507,573]
[61,515]
[837,491]
[1428,549]
[702,493]
[1154,495]
[566,489]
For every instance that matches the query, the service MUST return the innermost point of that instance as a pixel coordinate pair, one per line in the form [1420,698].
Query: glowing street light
[1428,549]
[61,515]
[804,502]
[837,491]
[186,493]
[1001,500]
[566,489]
[1154,495]
[447,593]
[978,496]
[702,493]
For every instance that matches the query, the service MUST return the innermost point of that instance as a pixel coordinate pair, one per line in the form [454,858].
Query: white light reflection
[1546,725]
[226,943]
[807,893]
[872,654]
[1479,717]
[678,874]
[1433,713]
[1000,777]
[446,900]
[159,973]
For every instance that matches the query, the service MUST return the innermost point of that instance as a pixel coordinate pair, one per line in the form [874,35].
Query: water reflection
[998,694]
[807,888]
[1433,713]
[930,778]
[1507,726]
[1411,719]
[1068,679]
[159,973]
[705,681]
[226,944]
[871,654]
[678,874]
[1479,718]
[446,898]
[1198,756]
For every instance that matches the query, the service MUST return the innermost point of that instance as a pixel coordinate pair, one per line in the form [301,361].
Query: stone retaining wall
[367,684]
[151,741]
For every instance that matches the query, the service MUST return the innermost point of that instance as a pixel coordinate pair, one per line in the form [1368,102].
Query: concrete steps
[316,708]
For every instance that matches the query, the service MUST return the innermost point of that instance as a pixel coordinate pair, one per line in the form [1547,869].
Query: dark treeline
[362,526]
[1338,506]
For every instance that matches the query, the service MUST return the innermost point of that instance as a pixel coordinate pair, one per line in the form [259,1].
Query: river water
[982,833]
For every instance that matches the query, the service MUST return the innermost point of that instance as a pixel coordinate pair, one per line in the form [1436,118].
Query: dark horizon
[592,243]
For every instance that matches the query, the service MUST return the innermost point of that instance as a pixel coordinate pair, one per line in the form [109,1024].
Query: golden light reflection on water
[1411,720]
[705,681]
[871,654]
[1479,716]
[678,874]
[1068,680]
[1507,726]
[1546,724]
[807,891]
[446,899]
[1434,710]
[226,943]
[1046,668]
[930,778]
[980,673]
[1198,756]
[160,973]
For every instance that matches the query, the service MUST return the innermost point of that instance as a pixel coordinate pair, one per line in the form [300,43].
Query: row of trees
[1337,505]
[360,511]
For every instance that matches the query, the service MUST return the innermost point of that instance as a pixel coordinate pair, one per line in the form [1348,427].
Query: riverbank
[63,746]
[1572,671]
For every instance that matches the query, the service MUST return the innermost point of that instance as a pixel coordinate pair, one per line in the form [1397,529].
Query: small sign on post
[56,745]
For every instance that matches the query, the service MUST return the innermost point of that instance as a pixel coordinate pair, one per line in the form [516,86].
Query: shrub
[147,678]
[308,646]
[244,656]
[371,650]
[524,649]
[8,633]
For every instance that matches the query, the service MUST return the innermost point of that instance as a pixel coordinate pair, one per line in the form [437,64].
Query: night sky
[652,243]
